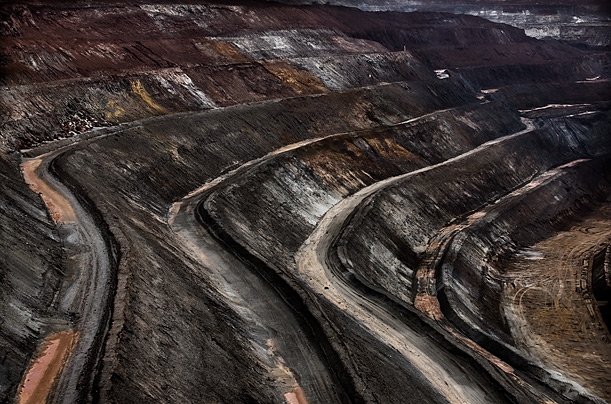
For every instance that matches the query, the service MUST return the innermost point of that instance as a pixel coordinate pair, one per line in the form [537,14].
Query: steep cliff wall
[475,256]
[386,241]
[472,232]
[431,200]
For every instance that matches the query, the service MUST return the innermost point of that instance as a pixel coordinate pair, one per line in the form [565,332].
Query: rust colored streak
[429,305]
[229,51]
[303,82]
[59,208]
[39,379]
[295,397]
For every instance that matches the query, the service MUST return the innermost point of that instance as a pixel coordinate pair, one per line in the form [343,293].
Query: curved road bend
[275,330]
[277,335]
[443,240]
[86,293]
[88,266]
[554,275]
[440,242]
[314,269]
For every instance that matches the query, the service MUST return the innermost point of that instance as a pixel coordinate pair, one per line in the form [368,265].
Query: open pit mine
[238,201]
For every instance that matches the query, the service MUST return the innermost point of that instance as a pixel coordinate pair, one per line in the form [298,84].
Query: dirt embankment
[290,193]
[30,272]
[520,221]
[156,268]
[68,69]
[423,205]
[508,169]
[417,223]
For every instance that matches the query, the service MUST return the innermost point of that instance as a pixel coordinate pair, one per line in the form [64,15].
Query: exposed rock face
[585,24]
[31,274]
[305,200]
[316,177]
[216,137]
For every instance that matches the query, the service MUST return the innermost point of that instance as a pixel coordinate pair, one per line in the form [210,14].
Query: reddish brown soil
[42,373]
[554,321]
[59,208]
[295,397]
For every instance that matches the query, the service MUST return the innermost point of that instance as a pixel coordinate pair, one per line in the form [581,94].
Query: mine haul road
[241,286]
[282,344]
[274,327]
[315,269]
[86,295]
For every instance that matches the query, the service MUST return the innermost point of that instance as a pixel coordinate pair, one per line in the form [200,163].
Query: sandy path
[292,360]
[41,375]
[86,290]
[315,270]
[295,397]
[59,208]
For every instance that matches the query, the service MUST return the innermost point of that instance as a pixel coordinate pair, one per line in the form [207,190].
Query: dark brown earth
[302,203]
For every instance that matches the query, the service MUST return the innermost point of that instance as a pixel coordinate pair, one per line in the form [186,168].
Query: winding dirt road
[315,269]
[440,242]
[278,337]
[271,316]
[86,292]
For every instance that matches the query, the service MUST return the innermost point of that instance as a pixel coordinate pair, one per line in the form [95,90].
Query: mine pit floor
[546,306]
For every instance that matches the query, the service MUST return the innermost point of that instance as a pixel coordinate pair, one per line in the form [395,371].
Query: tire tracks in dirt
[87,291]
[317,271]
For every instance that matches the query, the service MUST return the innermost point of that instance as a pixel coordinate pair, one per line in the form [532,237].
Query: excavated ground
[197,256]
[551,308]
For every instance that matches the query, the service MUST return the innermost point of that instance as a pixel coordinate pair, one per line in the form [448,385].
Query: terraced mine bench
[281,194]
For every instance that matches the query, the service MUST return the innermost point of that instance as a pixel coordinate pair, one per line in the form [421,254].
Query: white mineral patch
[170,79]
[543,32]
[531,254]
[442,74]
[286,43]
[196,13]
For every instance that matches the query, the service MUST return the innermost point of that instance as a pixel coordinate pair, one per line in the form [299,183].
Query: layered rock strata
[215,148]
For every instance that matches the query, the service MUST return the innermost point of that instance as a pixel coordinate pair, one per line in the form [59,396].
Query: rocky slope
[31,274]
[210,144]
[583,24]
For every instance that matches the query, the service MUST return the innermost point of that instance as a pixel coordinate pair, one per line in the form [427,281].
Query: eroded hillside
[261,202]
